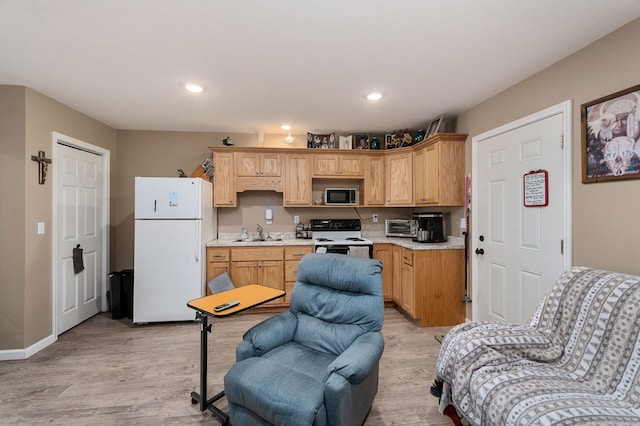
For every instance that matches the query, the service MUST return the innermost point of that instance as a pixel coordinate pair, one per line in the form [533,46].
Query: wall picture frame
[610,137]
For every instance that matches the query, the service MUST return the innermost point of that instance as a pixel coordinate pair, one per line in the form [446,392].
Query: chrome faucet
[260,232]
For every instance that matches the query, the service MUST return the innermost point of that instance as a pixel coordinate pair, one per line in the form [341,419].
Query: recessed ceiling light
[375,96]
[194,87]
[286,127]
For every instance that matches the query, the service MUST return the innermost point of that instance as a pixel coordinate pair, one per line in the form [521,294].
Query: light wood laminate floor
[106,372]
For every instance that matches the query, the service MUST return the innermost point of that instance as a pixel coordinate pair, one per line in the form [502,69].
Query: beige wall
[28,278]
[12,243]
[605,215]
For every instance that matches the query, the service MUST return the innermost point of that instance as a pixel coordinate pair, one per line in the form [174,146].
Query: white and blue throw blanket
[577,362]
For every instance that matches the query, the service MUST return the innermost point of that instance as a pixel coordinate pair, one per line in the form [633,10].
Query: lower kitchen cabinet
[384,253]
[292,257]
[396,282]
[408,295]
[217,263]
[264,266]
[428,285]
[433,286]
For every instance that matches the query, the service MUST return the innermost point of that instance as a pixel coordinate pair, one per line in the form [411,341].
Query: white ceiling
[306,62]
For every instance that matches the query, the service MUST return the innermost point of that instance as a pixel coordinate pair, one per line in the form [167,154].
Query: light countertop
[229,241]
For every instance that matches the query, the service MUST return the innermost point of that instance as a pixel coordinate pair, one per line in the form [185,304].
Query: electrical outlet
[296,220]
[374,218]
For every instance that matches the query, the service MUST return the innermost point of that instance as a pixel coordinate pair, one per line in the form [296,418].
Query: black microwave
[340,197]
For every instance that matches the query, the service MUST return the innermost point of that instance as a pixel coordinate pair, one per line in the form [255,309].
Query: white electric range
[342,236]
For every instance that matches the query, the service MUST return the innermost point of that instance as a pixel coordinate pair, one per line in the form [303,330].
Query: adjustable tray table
[249,296]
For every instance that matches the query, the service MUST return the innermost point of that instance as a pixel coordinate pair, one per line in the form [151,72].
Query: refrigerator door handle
[197,240]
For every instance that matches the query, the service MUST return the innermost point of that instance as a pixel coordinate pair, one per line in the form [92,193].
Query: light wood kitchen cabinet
[251,164]
[292,257]
[399,179]
[217,263]
[297,187]
[429,173]
[396,260]
[338,165]
[258,171]
[408,297]
[439,172]
[384,253]
[264,266]
[224,192]
[374,181]
[433,286]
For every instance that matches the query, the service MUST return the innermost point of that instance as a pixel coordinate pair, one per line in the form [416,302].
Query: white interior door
[79,222]
[518,252]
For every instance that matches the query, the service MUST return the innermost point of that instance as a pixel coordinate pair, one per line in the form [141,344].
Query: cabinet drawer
[290,270]
[296,253]
[271,253]
[217,255]
[407,256]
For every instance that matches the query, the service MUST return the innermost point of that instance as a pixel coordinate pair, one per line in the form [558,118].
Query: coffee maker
[429,228]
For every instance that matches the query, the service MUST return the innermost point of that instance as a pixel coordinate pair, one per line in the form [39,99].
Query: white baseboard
[17,354]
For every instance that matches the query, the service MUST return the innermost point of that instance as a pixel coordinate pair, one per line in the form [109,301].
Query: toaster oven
[398,228]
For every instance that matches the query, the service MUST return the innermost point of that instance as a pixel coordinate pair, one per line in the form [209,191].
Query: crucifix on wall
[42,166]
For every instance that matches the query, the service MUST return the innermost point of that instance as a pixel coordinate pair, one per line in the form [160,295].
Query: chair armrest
[360,358]
[266,335]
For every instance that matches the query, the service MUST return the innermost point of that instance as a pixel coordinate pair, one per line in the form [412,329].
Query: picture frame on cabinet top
[361,142]
[321,141]
[345,142]
[434,126]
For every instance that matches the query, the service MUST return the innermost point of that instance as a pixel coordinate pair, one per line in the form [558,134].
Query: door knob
[479,251]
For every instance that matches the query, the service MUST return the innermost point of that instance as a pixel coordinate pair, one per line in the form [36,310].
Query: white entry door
[518,252]
[79,224]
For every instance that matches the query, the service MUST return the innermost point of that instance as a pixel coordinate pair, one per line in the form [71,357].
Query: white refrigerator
[174,219]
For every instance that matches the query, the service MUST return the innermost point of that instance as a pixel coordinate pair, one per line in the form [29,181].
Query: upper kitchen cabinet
[258,171]
[439,171]
[224,192]
[338,166]
[429,173]
[297,181]
[252,164]
[374,180]
[399,179]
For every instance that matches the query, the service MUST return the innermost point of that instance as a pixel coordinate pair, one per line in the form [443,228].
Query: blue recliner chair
[316,364]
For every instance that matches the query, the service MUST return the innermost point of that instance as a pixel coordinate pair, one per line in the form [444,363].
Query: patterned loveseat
[576,362]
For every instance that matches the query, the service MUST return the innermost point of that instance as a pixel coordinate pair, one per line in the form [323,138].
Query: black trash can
[127,284]
[116,295]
